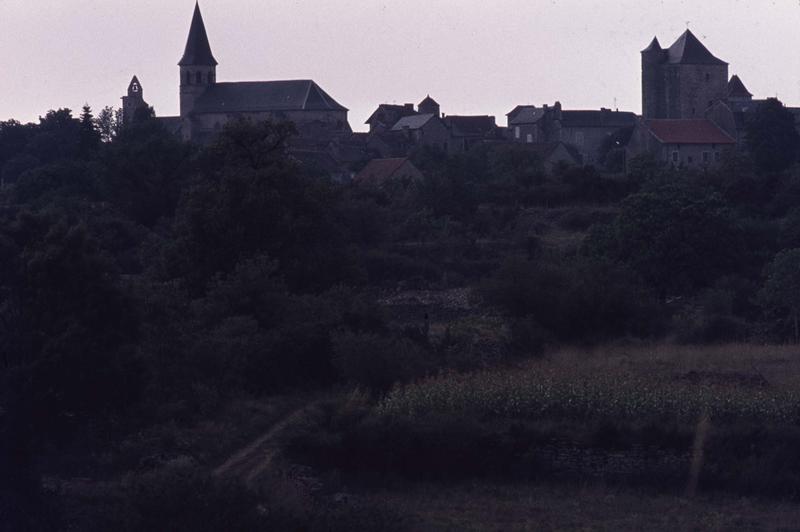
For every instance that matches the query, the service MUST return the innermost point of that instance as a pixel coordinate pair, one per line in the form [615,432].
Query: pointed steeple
[198,50]
[654,46]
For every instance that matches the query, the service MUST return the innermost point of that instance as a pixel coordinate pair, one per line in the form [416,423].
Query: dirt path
[253,460]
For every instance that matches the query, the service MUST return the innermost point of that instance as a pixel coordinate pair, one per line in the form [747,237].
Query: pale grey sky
[473,56]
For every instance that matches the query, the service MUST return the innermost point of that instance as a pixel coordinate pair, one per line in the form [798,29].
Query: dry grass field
[540,508]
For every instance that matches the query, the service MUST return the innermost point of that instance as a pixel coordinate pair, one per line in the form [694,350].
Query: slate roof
[254,96]
[428,100]
[736,88]
[654,46]
[693,131]
[603,118]
[688,50]
[472,126]
[387,110]
[525,114]
[412,122]
[198,51]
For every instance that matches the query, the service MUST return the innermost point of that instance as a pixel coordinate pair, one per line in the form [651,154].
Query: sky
[472,56]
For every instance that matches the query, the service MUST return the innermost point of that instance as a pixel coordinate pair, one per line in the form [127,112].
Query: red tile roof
[379,171]
[699,131]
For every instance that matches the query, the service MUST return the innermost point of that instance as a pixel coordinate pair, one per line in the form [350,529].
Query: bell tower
[198,68]
[132,102]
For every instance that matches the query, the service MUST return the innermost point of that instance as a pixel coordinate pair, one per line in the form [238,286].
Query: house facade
[685,143]
[586,131]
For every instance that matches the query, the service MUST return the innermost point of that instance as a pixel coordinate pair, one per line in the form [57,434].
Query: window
[579,139]
[689,160]
[676,157]
[188,78]
[529,138]
[706,157]
[708,77]
[211,77]
[516,132]
[717,156]
[199,78]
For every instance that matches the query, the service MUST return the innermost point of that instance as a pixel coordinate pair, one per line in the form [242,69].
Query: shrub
[583,301]
[377,362]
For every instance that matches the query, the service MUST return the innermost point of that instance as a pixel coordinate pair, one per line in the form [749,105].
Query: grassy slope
[543,507]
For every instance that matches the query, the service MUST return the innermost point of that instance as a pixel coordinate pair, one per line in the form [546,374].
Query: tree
[781,290]
[772,138]
[89,134]
[109,123]
[677,237]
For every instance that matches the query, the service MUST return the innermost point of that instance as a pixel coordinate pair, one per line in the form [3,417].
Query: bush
[182,497]
[583,301]
[378,362]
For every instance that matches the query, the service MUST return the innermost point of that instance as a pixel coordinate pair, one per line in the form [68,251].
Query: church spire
[198,50]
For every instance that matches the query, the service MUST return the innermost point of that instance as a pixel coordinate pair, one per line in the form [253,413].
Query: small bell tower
[132,102]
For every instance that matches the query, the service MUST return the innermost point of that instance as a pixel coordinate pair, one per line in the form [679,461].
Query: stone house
[426,130]
[469,131]
[387,115]
[586,131]
[690,143]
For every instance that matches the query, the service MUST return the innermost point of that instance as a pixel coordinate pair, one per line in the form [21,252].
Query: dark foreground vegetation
[163,305]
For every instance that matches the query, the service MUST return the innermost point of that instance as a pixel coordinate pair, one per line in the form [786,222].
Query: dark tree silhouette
[772,137]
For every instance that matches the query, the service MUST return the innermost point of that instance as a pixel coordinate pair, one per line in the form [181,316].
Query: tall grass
[592,390]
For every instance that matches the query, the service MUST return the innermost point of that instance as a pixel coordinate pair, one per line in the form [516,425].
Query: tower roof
[427,101]
[688,50]
[736,88]
[198,50]
[135,87]
[654,46]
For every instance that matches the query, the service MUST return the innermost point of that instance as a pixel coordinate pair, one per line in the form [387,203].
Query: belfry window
[199,78]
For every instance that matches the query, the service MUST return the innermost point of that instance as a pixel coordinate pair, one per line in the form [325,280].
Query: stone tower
[681,81]
[652,81]
[132,102]
[198,69]
[429,106]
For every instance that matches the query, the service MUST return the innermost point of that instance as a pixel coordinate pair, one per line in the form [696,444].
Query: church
[206,105]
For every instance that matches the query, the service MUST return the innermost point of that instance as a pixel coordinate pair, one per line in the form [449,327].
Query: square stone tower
[681,81]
